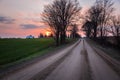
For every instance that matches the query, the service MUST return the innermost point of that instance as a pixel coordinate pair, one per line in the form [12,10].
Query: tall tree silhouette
[87,27]
[115,28]
[59,15]
[99,14]
[106,15]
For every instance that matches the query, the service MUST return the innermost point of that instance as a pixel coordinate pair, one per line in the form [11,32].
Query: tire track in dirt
[86,73]
[44,73]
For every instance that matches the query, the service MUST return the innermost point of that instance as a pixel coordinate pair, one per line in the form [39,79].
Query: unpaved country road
[73,66]
[30,71]
[81,63]
[100,69]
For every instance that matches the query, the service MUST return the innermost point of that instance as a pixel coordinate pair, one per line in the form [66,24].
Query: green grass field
[12,50]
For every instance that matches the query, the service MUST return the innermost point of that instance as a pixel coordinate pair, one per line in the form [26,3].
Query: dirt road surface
[81,63]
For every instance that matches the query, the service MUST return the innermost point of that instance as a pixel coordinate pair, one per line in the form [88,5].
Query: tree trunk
[57,39]
[95,31]
[62,37]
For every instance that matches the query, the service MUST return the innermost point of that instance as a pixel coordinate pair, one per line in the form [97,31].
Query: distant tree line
[74,31]
[45,36]
[59,16]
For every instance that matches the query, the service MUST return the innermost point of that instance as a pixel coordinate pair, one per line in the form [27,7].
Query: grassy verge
[15,51]
[113,52]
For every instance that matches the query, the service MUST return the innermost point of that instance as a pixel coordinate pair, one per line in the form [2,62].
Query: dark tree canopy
[74,31]
[99,14]
[115,28]
[59,15]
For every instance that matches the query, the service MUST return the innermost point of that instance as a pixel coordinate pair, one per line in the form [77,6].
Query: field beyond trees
[12,50]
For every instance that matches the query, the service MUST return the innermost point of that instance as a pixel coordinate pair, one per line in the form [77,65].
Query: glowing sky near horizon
[19,18]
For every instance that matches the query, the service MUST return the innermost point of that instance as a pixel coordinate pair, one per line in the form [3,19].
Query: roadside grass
[13,50]
[113,52]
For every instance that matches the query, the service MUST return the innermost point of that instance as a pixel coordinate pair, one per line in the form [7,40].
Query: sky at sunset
[19,18]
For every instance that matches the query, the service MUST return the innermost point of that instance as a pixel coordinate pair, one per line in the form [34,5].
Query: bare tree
[59,15]
[99,15]
[115,28]
[107,9]
[87,27]
[95,14]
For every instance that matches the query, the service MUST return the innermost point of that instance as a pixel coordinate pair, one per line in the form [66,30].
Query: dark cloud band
[29,26]
[6,20]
